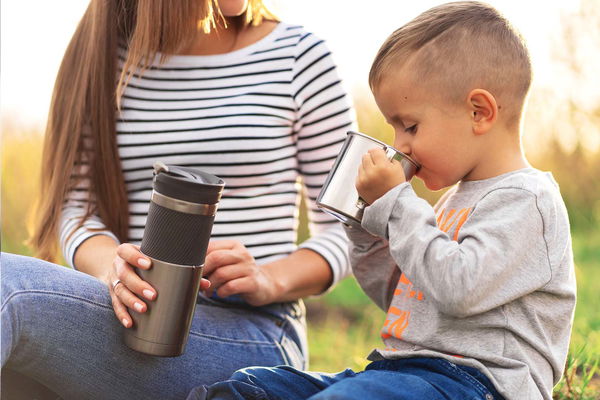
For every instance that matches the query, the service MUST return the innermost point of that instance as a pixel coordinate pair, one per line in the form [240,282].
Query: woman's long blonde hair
[86,94]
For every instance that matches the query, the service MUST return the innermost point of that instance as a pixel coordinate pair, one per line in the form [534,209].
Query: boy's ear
[484,110]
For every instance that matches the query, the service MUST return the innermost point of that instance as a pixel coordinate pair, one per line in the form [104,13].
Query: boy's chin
[432,185]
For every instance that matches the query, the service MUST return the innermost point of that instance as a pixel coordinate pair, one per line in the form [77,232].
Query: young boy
[479,290]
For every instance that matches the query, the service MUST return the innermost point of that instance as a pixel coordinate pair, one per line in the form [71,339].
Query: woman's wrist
[303,273]
[278,286]
[95,256]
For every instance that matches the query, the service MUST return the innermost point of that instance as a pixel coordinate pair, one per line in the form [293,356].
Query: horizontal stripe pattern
[269,119]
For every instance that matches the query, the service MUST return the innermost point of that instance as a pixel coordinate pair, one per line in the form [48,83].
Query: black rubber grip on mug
[176,237]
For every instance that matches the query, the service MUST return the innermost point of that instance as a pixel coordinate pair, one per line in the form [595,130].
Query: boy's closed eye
[411,129]
[406,126]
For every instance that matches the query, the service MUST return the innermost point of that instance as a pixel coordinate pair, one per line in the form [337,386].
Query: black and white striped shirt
[269,119]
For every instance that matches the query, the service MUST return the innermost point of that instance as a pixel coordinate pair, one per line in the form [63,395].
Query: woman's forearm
[303,273]
[95,256]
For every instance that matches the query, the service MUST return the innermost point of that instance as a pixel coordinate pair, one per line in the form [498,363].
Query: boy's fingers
[378,156]
[366,162]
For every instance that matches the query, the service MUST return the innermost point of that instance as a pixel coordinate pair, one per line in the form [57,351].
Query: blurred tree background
[562,135]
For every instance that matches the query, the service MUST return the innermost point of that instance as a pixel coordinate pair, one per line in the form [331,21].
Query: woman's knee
[24,273]
[16,271]
[18,266]
[27,274]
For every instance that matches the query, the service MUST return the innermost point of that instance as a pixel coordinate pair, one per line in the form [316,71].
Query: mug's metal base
[164,328]
[346,218]
[153,349]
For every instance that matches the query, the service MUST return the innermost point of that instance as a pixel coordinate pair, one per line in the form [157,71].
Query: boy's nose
[402,145]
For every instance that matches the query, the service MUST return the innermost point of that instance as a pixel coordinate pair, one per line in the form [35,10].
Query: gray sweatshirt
[484,279]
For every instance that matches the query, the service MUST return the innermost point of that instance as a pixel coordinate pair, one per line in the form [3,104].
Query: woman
[221,86]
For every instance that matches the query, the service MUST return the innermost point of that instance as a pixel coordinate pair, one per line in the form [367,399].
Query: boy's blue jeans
[410,378]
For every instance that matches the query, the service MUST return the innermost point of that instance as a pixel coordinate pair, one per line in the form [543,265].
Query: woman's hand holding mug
[126,287]
[232,270]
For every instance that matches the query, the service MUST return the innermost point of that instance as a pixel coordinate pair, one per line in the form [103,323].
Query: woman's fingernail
[149,294]
[143,262]
[138,307]
[125,323]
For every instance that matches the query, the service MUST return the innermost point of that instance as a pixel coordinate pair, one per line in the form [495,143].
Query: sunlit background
[36,33]
[562,134]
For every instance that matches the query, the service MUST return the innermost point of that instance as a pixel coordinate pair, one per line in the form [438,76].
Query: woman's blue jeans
[59,328]
[402,379]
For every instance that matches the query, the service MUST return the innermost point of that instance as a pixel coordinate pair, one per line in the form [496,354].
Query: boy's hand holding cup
[377,175]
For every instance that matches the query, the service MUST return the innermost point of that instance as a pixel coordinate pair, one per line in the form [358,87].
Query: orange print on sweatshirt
[447,221]
[397,320]
[398,325]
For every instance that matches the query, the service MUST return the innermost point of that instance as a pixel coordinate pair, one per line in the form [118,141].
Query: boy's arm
[374,269]
[500,254]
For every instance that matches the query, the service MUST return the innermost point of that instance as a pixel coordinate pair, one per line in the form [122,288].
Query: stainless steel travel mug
[338,195]
[180,219]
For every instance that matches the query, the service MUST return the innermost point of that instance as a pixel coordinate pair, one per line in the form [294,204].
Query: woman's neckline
[194,59]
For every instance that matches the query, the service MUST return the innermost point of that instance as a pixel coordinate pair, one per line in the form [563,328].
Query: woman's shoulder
[295,33]
[298,35]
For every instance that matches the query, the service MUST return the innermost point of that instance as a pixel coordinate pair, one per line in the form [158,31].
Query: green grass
[586,328]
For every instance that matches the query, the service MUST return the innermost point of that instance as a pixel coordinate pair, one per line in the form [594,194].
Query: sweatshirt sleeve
[324,115]
[375,270]
[75,227]
[487,266]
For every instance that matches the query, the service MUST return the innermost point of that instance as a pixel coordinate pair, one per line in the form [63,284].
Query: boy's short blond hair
[457,47]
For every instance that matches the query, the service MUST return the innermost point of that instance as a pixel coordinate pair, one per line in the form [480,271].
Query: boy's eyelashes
[411,129]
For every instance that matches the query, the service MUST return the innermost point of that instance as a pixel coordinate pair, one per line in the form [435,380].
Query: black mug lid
[188,184]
